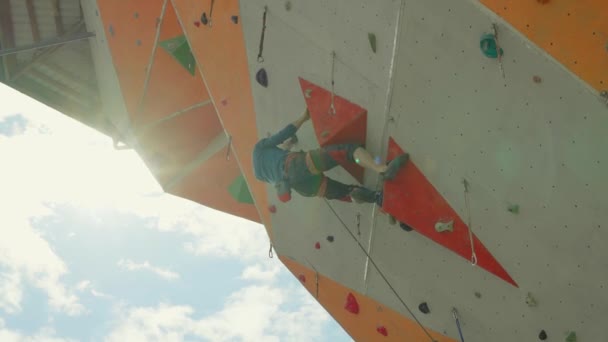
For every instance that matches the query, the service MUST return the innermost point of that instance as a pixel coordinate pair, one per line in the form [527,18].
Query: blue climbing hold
[488,46]
[262,78]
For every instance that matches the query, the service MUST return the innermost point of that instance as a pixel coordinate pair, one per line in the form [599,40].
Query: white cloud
[86,285]
[265,272]
[254,313]
[44,335]
[130,265]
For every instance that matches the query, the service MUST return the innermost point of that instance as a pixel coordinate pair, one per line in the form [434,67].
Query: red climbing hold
[347,125]
[413,200]
[197,24]
[351,304]
[382,330]
[272,208]
[224,102]
[302,278]
[318,245]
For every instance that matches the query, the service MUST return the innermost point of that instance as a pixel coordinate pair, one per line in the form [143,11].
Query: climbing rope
[229,147]
[455,315]
[390,286]
[466,202]
[140,107]
[332,108]
[261,50]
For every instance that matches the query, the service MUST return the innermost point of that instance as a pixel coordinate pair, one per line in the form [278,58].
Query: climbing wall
[529,145]
[171,120]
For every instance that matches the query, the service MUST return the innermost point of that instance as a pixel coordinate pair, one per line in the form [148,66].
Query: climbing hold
[111,30]
[272,209]
[324,134]
[382,330]
[537,79]
[262,77]
[405,227]
[424,308]
[204,19]
[441,227]
[138,42]
[197,23]
[530,300]
[513,208]
[302,278]
[351,304]
[136,15]
[477,294]
[488,46]
[542,336]
[307,93]
[604,95]
[318,245]
[330,238]
[571,337]
[288,6]
[235,19]
[372,41]
[224,102]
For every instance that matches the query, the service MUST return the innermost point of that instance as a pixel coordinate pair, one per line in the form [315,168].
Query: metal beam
[43,54]
[48,43]
[58,18]
[31,13]
[8,34]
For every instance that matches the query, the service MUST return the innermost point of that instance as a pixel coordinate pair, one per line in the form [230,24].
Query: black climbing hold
[424,308]
[204,19]
[262,78]
[288,6]
[543,335]
[330,238]
[372,41]
[235,19]
[405,227]
[477,294]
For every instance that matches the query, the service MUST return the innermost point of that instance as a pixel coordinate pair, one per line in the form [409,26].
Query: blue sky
[91,249]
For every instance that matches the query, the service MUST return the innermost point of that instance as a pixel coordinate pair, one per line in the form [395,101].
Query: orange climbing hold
[347,125]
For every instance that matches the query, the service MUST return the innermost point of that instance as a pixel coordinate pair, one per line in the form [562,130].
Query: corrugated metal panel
[45,17]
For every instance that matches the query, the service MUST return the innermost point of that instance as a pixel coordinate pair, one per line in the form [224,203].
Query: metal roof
[63,75]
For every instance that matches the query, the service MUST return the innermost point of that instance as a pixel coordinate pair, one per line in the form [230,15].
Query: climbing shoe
[394,166]
[363,195]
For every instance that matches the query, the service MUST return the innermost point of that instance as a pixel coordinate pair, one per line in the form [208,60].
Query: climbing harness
[270,254]
[457,319]
[204,19]
[466,201]
[371,260]
[261,50]
[229,147]
[332,108]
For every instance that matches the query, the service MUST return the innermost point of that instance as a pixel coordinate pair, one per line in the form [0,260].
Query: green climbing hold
[372,41]
[179,49]
[488,46]
[513,208]
[571,337]
[240,191]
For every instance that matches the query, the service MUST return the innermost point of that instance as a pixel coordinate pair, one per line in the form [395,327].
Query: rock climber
[303,171]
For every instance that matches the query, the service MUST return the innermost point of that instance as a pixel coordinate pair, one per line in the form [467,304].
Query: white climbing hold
[441,227]
[530,300]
